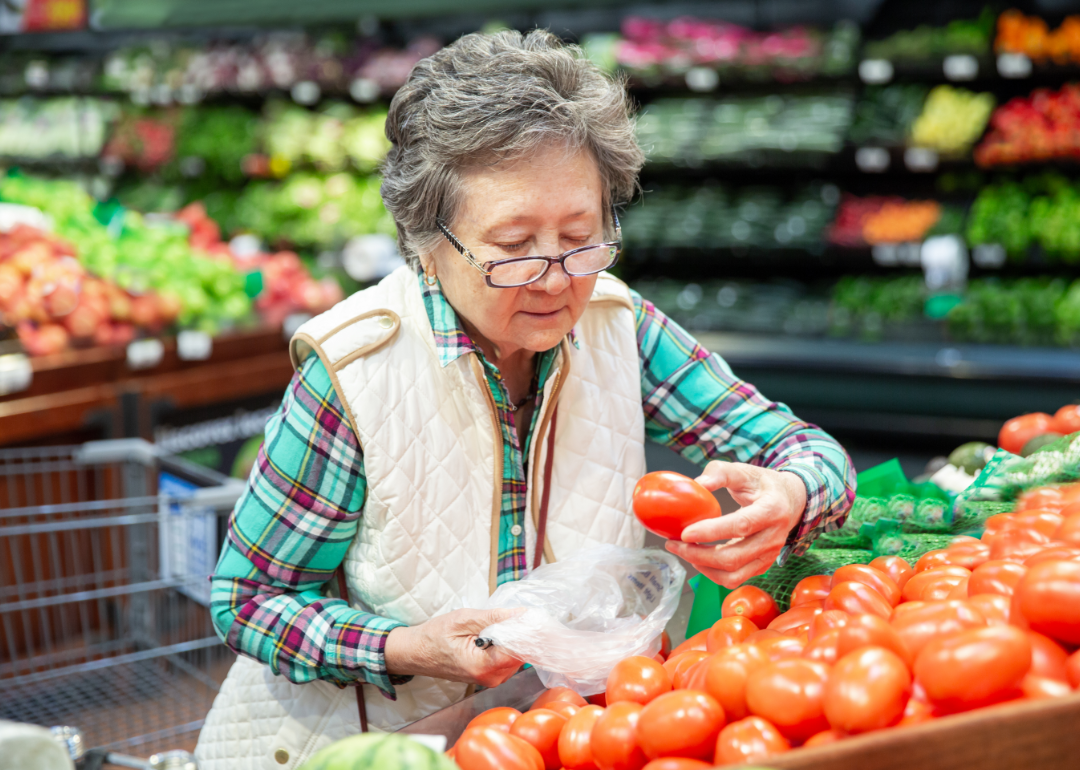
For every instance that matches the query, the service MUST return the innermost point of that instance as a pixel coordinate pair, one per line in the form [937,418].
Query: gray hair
[489,98]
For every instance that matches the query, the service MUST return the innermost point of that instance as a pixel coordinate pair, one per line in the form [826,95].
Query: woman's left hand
[772,503]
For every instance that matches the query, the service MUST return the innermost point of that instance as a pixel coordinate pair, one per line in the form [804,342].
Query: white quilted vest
[429,532]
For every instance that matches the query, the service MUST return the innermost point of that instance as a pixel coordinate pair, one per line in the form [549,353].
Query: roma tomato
[667,503]
[1041,687]
[939,557]
[749,740]
[558,693]
[600,699]
[692,678]
[871,631]
[918,625]
[895,567]
[1041,498]
[1020,430]
[1067,419]
[996,577]
[867,690]
[575,748]
[1048,658]
[763,635]
[614,738]
[917,712]
[782,647]
[1048,598]
[823,738]
[1046,522]
[1053,553]
[828,620]
[683,723]
[665,644]
[638,679]
[489,748]
[698,641]
[993,607]
[858,599]
[502,717]
[563,708]
[974,667]
[795,618]
[791,695]
[811,589]
[752,603]
[1072,669]
[913,591]
[677,763]
[726,673]
[822,647]
[876,579]
[1069,531]
[969,555]
[728,631]
[541,728]
[676,664]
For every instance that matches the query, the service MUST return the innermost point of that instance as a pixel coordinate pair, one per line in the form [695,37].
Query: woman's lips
[536,314]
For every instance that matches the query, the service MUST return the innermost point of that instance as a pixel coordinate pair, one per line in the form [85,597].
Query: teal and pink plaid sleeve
[695,405]
[286,537]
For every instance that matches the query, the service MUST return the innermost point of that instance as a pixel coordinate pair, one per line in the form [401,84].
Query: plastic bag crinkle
[587,612]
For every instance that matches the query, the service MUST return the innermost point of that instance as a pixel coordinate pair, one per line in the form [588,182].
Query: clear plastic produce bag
[587,612]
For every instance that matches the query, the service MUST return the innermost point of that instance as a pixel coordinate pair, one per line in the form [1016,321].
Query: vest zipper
[545,422]
[496,505]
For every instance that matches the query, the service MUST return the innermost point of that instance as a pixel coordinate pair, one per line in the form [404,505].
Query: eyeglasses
[521,271]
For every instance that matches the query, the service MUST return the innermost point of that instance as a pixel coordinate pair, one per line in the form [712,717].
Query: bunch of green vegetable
[334,138]
[1042,209]
[214,141]
[1027,311]
[884,114]
[925,43]
[866,306]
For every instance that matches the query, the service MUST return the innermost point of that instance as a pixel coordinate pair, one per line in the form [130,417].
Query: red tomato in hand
[996,577]
[867,690]
[728,631]
[858,599]
[638,679]
[1067,419]
[811,589]
[683,723]
[870,631]
[918,625]
[895,567]
[667,503]
[795,618]
[974,667]
[751,603]
[575,748]
[791,695]
[876,579]
[749,740]
[489,748]
[1048,598]
[1020,430]
[541,728]
[502,717]
[726,673]
[614,738]
[557,694]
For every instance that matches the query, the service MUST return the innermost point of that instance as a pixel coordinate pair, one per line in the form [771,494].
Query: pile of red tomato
[1017,432]
[884,645]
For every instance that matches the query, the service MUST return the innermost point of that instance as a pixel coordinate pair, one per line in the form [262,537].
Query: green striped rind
[378,751]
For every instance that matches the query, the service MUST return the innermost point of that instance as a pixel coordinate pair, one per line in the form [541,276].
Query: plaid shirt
[305,496]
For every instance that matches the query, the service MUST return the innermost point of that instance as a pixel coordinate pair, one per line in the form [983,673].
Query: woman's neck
[515,364]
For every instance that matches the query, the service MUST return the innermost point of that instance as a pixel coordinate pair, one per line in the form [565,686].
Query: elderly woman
[479,412]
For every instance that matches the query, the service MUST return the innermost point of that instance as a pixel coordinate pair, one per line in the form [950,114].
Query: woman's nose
[554,281]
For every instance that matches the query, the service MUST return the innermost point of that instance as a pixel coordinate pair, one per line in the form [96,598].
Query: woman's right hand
[445,647]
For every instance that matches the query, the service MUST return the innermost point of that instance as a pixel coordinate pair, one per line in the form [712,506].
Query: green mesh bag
[930,515]
[778,582]
[971,516]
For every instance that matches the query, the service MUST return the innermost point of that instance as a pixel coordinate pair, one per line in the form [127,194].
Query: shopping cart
[105,551]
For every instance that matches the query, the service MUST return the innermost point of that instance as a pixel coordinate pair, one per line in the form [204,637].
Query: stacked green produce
[1042,210]
[1025,311]
[690,132]
[718,216]
[333,138]
[927,45]
[873,308]
[135,255]
[52,129]
[884,114]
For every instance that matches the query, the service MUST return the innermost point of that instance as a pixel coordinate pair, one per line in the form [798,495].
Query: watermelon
[378,751]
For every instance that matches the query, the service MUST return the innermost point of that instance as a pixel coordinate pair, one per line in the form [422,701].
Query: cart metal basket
[105,550]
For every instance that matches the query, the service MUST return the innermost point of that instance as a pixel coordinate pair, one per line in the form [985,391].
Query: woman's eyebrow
[524,221]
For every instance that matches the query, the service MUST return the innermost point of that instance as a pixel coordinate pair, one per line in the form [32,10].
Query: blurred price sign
[192,345]
[885,254]
[702,79]
[920,159]
[16,373]
[306,92]
[960,67]
[875,71]
[145,354]
[988,256]
[872,160]
[1013,65]
[364,90]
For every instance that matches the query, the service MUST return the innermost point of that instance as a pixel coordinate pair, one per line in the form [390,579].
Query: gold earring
[430,278]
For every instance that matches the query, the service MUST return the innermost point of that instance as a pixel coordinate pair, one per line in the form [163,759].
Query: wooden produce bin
[1030,735]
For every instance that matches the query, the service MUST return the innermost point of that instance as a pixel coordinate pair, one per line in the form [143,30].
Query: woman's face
[546,204]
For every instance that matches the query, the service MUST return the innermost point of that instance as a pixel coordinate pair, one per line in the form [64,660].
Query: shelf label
[16,373]
[306,92]
[702,79]
[875,71]
[37,74]
[945,262]
[145,354]
[988,256]
[909,254]
[1013,65]
[884,254]
[872,160]
[920,159]
[960,67]
[364,90]
[194,345]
